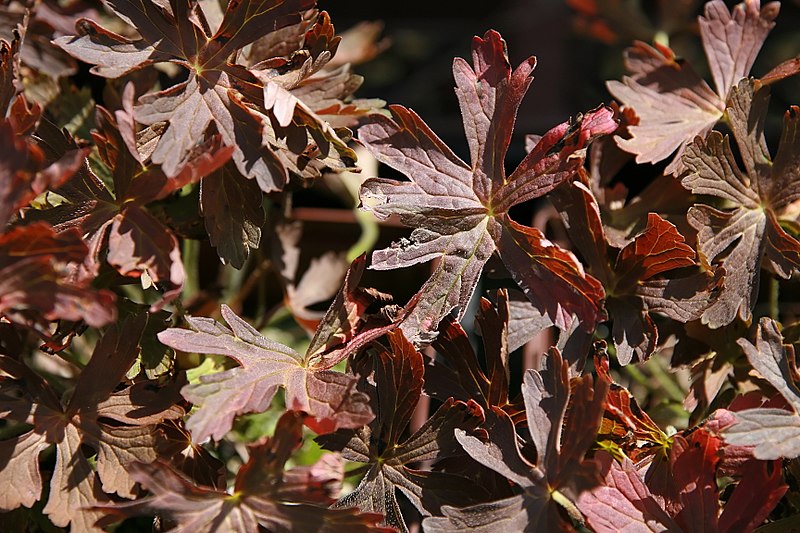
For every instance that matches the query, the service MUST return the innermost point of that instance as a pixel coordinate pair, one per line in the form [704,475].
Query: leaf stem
[190,252]
[774,297]
[568,506]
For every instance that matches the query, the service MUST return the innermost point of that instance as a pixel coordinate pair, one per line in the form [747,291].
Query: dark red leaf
[398,378]
[443,189]
[260,496]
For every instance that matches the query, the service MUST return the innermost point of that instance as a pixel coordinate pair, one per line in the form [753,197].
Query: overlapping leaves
[625,503]
[329,397]
[265,494]
[673,103]
[117,225]
[36,261]
[457,372]
[748,235]
[389,459]
[232,96]
[634,281]
[459,212]
[118,425]
[559,472]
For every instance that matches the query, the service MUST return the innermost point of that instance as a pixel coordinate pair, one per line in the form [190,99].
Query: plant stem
[774,297]
[190,250]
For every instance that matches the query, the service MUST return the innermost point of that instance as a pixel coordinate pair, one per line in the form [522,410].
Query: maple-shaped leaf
[119,426]
[624,502]
[672,102]
[774,432]
[634,281]
[118,226]
[241,106]
[398,375]
[748,234]
[328,397]
[457,373]
[459,212]
[560,438]
[264,495]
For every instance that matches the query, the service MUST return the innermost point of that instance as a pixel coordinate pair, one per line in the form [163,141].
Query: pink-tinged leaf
[442,188]
[328,397]
[672,102]
[525,321]
[739,239]
[79,487]
[398,373]
[321,482]
[774,433]
[754,498]
[510,514]
[732,39]
[622,502]
[318,284]
[21,463]
[489,94]
[261,495]
[93,44]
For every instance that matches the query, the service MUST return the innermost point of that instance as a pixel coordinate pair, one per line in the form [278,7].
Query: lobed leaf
[741,239]
[260,497]
[443,189]
[264,365]
[673,103]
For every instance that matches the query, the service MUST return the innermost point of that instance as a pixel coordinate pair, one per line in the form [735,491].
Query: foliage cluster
[147,380]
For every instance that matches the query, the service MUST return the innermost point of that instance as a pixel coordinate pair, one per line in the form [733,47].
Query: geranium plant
[175,355]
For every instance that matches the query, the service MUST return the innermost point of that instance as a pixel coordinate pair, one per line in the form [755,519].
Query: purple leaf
[443,189]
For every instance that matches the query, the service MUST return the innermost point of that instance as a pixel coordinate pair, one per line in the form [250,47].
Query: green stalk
[774,298]
[190,252]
